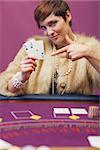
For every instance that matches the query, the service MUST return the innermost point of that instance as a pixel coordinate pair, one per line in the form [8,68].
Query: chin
[58,42]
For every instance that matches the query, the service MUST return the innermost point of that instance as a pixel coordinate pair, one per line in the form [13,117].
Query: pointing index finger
[64,49]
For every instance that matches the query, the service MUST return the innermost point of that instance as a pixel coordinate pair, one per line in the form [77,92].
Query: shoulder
[86,39]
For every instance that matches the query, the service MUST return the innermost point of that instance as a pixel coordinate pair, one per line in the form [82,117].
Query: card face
[60,112]
[4,145]
[94,141]
[79,111]
[35,48]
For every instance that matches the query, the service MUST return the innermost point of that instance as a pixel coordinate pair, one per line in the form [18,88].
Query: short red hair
[46,7]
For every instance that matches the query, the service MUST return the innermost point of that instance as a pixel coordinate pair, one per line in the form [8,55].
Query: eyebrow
[47,24]
[50,22]
[41,26]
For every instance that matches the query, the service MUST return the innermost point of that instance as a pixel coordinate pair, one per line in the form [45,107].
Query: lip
[54,37]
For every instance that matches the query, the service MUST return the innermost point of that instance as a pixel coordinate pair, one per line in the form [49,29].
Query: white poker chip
[43,147]
[28,147]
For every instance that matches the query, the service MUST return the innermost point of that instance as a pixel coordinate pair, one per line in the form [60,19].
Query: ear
[68,16]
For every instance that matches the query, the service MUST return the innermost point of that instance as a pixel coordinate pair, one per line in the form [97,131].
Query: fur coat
[81,79]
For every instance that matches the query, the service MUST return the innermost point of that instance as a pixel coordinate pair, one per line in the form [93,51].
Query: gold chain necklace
[57,72]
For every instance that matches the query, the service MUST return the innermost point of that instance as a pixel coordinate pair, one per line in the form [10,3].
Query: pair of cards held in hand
[34,48]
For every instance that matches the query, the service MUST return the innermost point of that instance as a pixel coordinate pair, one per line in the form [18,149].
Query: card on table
[34,48]
[4,145]
[61,112]
[80,111]
[94,141]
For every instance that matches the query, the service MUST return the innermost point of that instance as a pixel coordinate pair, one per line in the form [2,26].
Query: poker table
[57,131]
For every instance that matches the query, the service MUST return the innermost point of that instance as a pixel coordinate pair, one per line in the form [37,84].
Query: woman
[71,63]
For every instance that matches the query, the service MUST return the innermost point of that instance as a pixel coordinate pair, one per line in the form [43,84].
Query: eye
[43,28]
[53,23]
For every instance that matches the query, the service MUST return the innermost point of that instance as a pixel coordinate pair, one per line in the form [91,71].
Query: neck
[64,43]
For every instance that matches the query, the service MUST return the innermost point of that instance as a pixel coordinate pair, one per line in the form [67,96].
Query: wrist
[88,52]
[17,80]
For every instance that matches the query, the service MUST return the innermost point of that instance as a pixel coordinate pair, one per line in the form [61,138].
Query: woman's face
[55,28]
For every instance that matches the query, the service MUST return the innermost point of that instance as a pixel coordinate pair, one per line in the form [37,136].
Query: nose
[49,32]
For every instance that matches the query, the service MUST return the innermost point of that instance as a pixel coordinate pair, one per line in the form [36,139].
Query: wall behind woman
[17,23]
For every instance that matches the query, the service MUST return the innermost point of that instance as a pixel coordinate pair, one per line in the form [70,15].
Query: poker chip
[43,147]
[93,112]
[35,117]
[28,147]
[74,117]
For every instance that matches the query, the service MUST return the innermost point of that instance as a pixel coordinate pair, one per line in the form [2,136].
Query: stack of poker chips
[93,112]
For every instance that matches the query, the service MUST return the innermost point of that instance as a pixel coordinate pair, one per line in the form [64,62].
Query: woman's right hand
[28,65]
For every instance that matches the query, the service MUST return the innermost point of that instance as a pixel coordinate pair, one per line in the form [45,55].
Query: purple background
[17,23]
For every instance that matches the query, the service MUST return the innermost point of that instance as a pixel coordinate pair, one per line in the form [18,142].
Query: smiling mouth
[54,37]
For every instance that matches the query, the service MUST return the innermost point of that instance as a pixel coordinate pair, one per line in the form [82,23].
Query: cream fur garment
[82,79]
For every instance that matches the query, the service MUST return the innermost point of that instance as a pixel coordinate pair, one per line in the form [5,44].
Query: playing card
[4,145]
[79,111]
[94,141]
[60,112]
[35,48]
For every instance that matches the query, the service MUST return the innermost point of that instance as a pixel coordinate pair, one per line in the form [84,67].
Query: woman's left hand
[72,51]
